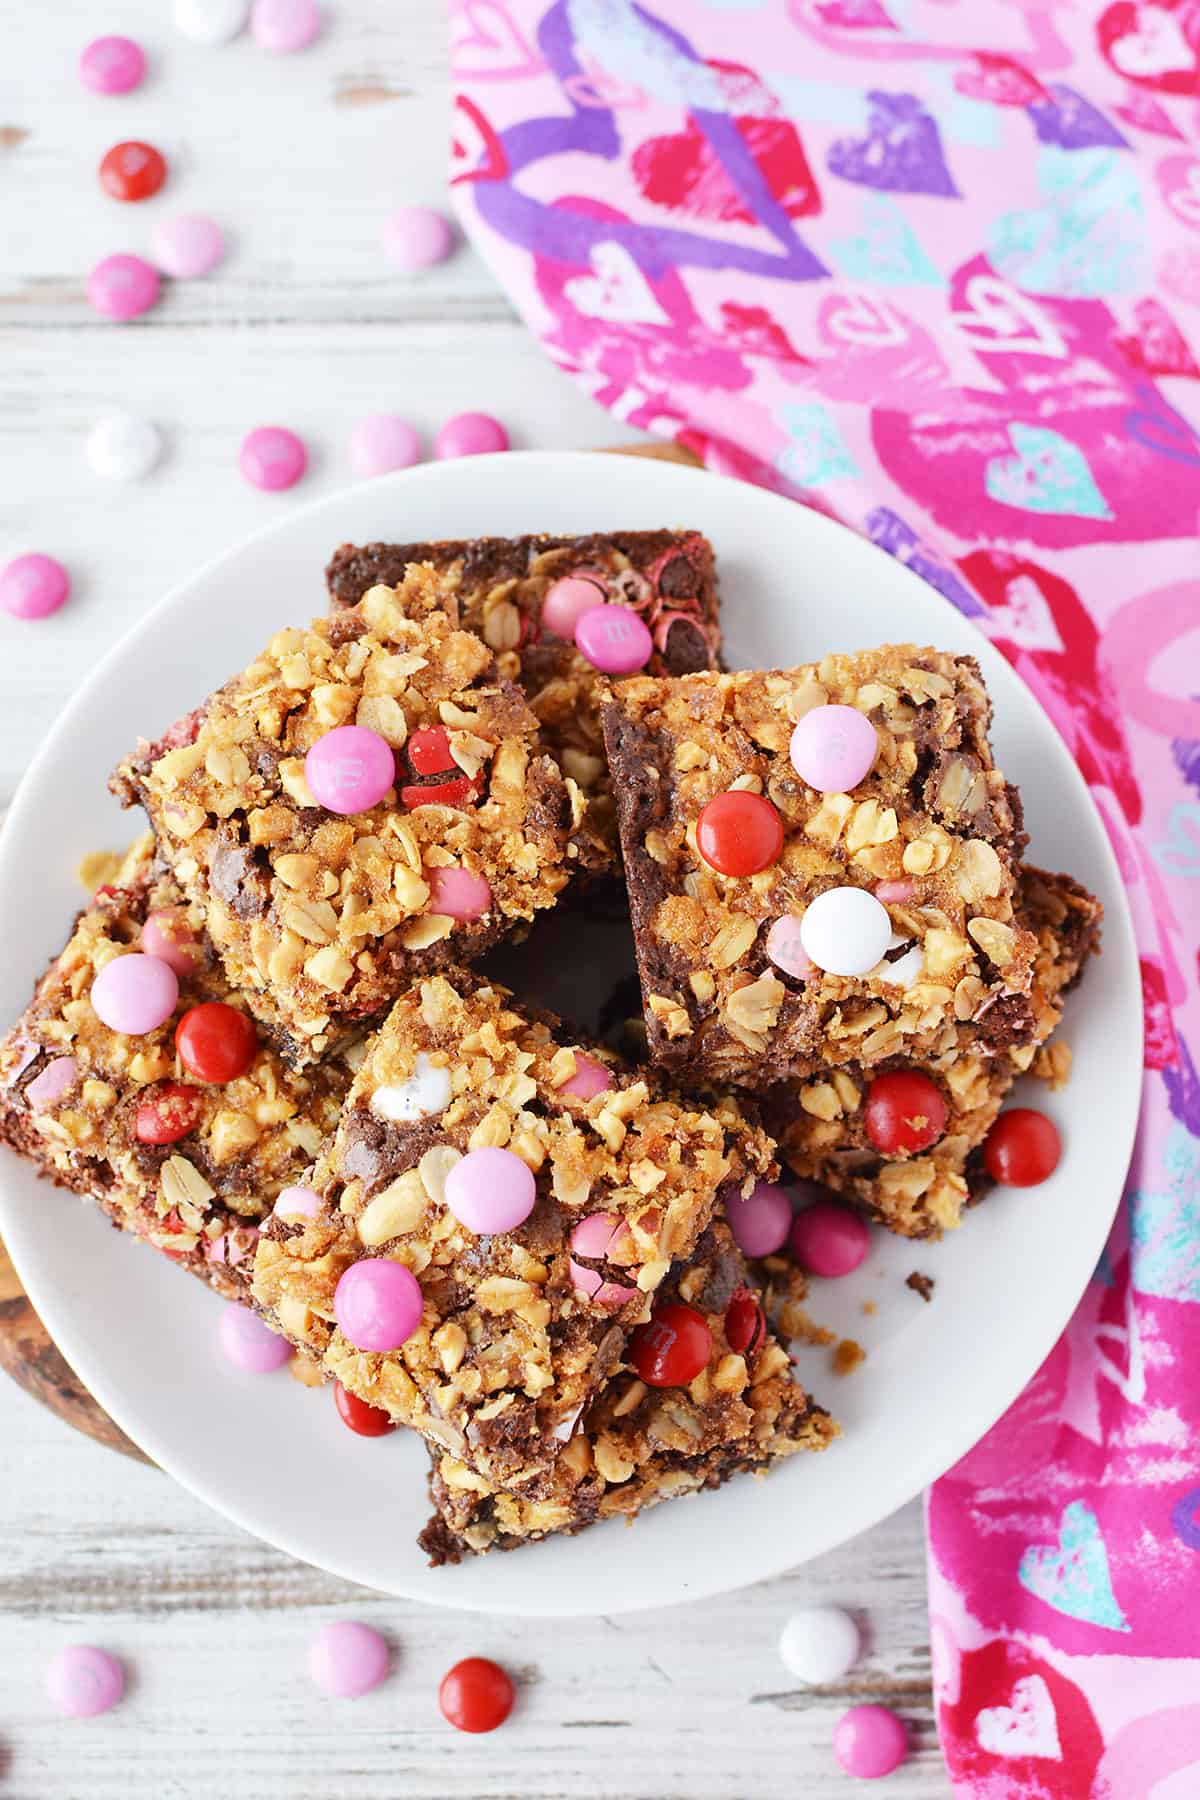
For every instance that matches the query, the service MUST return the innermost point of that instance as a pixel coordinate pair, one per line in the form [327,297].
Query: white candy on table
[819,1644]
[211,21]
[123,447]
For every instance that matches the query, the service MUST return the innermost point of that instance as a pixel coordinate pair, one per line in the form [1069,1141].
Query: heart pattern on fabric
[901,152]
[476,153]
[1002,320]
[855,15]
[815,451]
[683,171]
[1144,112]
[1179,851]
[1027,1726]
[1148,43]
[492,47]
[1087,240]
[616,289]
[999,80]
[1157,346]
[886,251]
[1065,118]
[1046,474]
[1178,179]
[1073,1575]
[857,318]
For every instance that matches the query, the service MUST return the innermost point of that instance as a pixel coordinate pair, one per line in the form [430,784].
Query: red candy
[905,1113]
[672,1348]
[429,752]
[476,1695]
[442,793]
[132,171]
[1022,1148]
[745,1324]
[365,1420]
[739,833]
[169,1114]
[216,1042]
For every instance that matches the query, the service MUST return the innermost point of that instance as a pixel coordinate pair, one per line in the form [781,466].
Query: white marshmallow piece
[819,1645]
[845,931]
[424,1094]
[906,969]
[211,21]
[123,447]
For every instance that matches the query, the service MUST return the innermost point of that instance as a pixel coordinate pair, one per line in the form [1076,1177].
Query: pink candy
[135,994]
[590,1078]
[284,26]
[469,434]
[189,244]
[377,1304]
[894,893]
[166,936]
[249,1344]
[833,748]
[613,639]
[272,458]
[347,1659]
[870,1741]
[350,769]
[33,586]
[785,949]
[417,237]
[458,894]
[596,1236]
[83,1681]
[491,1190]
[566,602]
[298,1203]
[112,65]
[829,1240]
[56,1079]
[382,442]
[761,1222]
[121,287]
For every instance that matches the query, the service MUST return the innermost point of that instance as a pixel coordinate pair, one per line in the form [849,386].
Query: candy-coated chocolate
[33,586]
[135,994]
[249,1344]
[188,245]
[456,790]
[112,65]
[272,458]
[469,434]
[377,1304]
[416,237]
[905,1112]
[491,1190]
[55,1081]
[566,601]
[613,639]
[348,1659]
[739,833]
[428,751]
[216,1042]
[211,21]
[833,748]
[297,1203]
[786,950]
[476,1695]
[845,931]
[168,1113]
[350,769]
[829,1240]
[904,970]
[590,1078]
[745,1322]
[870,1741]
[167,935]
[672,1347]
[819,1644]
[359,1416]
[83,1681]
[458,894]
[894,893]
[1022,1148]
[382,442]
[123,447]
[132,171]
[762,1220]
[425,1095]
[284,26]
[596,1236]
[122,287]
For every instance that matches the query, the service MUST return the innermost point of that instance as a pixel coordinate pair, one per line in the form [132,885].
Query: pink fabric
[934,267]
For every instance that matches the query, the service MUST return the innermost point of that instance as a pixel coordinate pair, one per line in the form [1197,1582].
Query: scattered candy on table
[216,1042]
[249,1344]
[566,601]
[359,1416]
[112,65]
[284,26]
[672,1347]
[458,893]
[123,447]
[33,586]
[348,1659]
[870,1741]
[188,245]
[350,769]
[845,930]
[469,434]
[167,934]
[135,994]
[833,748]
[83,1681]
[123,286]
[416,237]
[1022,1148]
[382,442]
[739,833]
[476,1695]
[211,21]
[761,1221]
[272,458]
[491,1190]
[377,1304]
[132,171]
[905,1112]
[819,1644]
[613,639]
[829,1240]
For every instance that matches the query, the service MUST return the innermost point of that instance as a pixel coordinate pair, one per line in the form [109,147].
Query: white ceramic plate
[273,1456]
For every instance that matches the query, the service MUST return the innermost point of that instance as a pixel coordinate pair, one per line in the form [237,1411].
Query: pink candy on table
[469,434]
[590,1078]
[870,1741]
[761,1221]
[284,25]
[350,769]
[188,244]
[416,237]
[249,1344]
[382,442]
[377,1304]
[785,949]
[297,1203]
[122,287]
[135,993]
[83,1681]
[112,65]
[613,639]
[491,1190]
[827,1239]
[566,602]
[595,1236]
[33,586]
[833,748]
[167,936]
[272,458]
[458,894]
[347,1659]
[56,1079]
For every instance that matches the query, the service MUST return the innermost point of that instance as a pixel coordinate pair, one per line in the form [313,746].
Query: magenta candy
[382,442]
[613,639]
[458,894]
[829,1240]
[249,1344]
[377,1304]
[122,287]
[870,1741]
[284,26]
[590,1078]
[83,1681]
[416,237]
[833,748]
[298,1203]
[784,947]
[491,1190]
[272,458]
[56,1079]
[135,994]
[33,586]
[188,245]
[761,1221]
[171,943]
[350,769]
[469,434]
[595,1236]
[347,1659]
[566,602]
[112,65]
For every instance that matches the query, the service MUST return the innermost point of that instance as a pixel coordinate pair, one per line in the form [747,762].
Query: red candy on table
[905,1113]
[739,833]
[476,1695]
[216,1043]
[745,1323]
[672,1347]
[1022,1148]
[132,171]
[364,1420]
[169,1114]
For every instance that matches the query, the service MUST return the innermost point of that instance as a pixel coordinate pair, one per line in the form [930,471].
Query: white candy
[845,931]
[123,447]
[819,1645]
[906,969]
[426,1092]
[211,21]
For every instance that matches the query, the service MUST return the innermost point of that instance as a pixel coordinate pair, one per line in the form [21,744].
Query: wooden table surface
[307,325]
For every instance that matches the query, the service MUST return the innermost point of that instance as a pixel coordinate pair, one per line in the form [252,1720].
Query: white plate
[273,1456]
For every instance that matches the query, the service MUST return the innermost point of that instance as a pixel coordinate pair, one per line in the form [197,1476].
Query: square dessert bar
[523,596]
[734,1407]
[496,1212]
[824,1128]
[821,864]
[365,802]
[188,1164]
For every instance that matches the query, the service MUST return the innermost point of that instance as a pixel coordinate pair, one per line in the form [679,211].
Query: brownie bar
[510,1349]
[668,577]
[322,918]
[934,820]
[638,1445]
[200,1198]
[820,1125]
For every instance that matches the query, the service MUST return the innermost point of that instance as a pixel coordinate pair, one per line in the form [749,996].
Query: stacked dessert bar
[270,1050]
